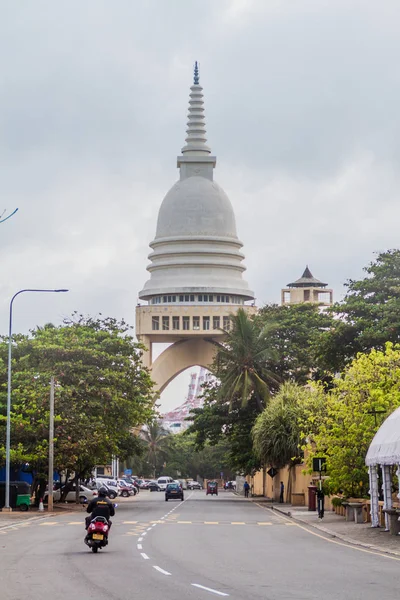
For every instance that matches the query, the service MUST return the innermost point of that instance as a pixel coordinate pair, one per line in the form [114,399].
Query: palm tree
[241,362]
[156,439]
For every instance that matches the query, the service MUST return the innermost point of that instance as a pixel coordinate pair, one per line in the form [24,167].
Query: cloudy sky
[302,111]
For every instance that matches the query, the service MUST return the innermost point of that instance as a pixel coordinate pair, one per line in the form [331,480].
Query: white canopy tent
[384,452]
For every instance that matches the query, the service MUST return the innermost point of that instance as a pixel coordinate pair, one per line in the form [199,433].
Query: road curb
[334,534]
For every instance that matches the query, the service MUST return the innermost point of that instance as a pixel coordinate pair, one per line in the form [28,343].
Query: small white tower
[196,266]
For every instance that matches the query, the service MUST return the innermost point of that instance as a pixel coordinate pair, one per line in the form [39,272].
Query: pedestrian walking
[281,493]
[246,488]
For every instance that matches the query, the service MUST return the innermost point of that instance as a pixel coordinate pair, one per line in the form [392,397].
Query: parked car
[110,485]
[194,485]
[173,491]
[125,489]
[85,494]
[153,486]
[133,483]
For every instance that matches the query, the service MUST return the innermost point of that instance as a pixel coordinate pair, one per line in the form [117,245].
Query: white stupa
[196,248]
[196,265]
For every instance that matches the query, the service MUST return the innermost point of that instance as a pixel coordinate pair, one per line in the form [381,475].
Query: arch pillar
[181,356]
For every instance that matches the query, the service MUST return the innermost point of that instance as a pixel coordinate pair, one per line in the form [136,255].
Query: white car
[111,485]
[85,495]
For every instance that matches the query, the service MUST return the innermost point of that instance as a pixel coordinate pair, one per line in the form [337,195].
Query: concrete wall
[296,490]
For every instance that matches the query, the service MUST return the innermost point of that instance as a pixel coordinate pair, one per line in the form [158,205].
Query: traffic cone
[41,507]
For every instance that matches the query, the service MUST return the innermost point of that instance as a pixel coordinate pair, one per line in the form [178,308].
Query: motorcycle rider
[100,507]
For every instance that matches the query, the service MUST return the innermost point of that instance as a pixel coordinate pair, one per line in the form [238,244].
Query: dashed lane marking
[47,524]
[160,570]
[238,523]
[211,523]
[139,547]
[207,589]
[129,522]
[143,555]
[184,522]
[265,523]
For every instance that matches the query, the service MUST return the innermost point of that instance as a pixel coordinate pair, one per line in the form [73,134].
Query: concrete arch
[180,356]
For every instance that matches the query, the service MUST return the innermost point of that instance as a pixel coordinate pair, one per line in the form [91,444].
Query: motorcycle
[97,534]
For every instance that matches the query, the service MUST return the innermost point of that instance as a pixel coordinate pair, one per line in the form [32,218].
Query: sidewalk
[334,525]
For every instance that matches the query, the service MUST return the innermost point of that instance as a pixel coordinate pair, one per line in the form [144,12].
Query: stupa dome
[196,206]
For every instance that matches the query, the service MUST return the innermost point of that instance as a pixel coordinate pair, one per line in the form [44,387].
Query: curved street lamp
[5,218]
[8,431]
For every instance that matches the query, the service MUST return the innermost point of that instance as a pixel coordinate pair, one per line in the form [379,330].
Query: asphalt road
[201,548]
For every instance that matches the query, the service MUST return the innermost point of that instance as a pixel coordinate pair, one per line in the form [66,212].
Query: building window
[206,323]
[306,295]
[227,323]
[181,298]
[165,323]
[196,322]
[200,297]
[175,323]
[216,323]
[186,323]
[191,297]
[155,321]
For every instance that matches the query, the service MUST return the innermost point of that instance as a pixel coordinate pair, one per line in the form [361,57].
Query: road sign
[319,464]
[272,472]
[128,472]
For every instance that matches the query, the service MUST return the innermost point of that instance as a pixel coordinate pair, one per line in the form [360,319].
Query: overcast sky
[302,111]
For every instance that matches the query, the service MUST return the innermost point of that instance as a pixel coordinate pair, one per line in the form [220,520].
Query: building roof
[307,280]
[385,447]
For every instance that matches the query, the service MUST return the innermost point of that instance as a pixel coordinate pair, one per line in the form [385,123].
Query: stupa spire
[196,129]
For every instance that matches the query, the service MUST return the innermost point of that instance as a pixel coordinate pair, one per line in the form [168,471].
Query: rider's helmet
[103,491]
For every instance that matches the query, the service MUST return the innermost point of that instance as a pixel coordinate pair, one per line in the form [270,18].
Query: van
[162,482]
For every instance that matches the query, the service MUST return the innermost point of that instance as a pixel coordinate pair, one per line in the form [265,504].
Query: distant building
[175,420]
[307,289]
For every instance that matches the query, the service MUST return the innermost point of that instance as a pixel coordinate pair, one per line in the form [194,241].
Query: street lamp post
[8,429]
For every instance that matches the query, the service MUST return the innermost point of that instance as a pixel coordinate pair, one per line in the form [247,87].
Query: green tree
[185,460]
[241,363]
[102,393]
[368,316]
[156,440]
[294,335]
[218,422]
[359,401]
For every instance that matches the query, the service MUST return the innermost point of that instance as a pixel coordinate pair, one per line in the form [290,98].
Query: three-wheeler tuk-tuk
[212,488]
[20,494]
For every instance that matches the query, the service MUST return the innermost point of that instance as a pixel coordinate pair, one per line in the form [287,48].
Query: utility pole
[51,448]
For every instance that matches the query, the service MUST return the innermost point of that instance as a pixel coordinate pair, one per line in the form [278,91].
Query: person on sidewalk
[281,493]
[246,488]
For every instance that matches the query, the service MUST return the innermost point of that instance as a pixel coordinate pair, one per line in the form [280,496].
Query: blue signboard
[128,472]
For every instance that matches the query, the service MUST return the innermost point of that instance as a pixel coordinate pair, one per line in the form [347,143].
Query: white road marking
[144,533]
[143,555]
[202,587]
[154,525]
[140,539]
[161,570]
[139,547]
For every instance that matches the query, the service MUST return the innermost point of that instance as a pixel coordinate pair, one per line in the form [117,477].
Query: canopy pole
[373,492]
[387,493]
